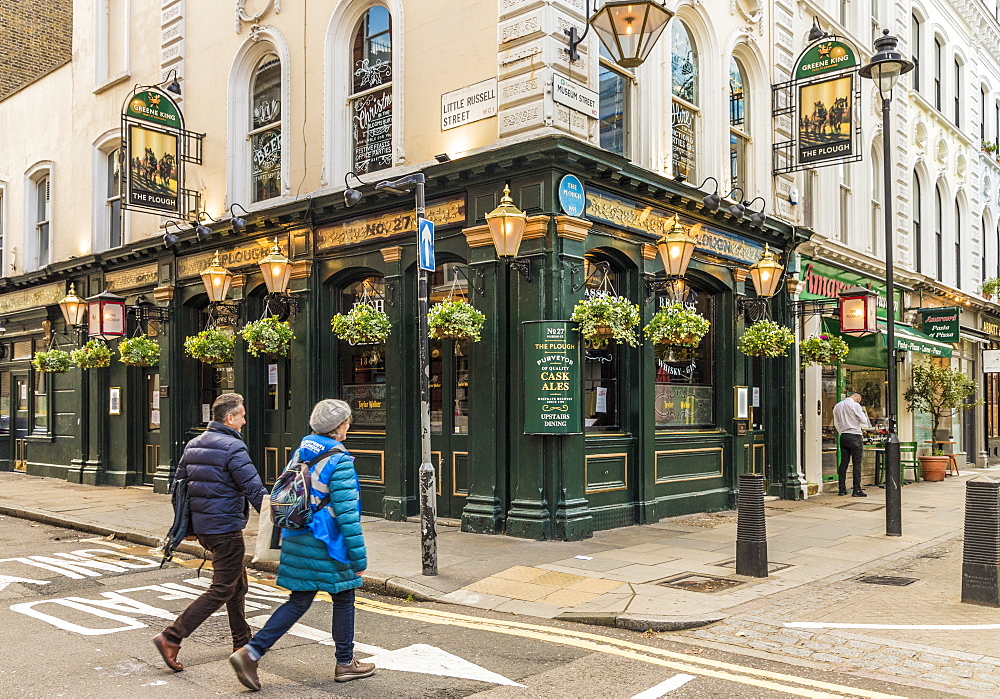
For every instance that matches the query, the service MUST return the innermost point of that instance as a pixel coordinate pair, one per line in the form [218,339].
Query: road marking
[6,580]
[664,688]
[419,657]
[612,646]
[923,627]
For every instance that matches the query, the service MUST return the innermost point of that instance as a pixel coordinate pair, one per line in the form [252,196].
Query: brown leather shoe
[246,669]
[168,651]
[353,670]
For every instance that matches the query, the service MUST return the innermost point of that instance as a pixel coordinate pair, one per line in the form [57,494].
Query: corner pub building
[660,435]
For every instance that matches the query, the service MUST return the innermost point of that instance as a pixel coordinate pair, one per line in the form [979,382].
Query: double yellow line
[788,684]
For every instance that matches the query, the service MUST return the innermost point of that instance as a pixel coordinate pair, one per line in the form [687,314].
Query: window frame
[958,245]
[938,232]
[354,96]
[844,212]
[105,74]
[917,220]
[40,221]
[628,80]
[679,103]
[915,54]
[739,134]
[938,68]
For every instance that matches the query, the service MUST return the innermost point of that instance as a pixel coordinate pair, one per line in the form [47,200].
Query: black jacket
[221,480]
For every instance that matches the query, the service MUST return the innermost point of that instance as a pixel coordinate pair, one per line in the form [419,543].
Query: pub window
[40,397]
[265,129]
[113,198]
[918,238]
[371,92]
[602,357]
[214,379]
[684,115]
[449,359]
[362,367]
[615,104]
[739,127]
[153,404]
[685,386]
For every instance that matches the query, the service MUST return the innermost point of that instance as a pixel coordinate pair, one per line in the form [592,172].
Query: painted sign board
[469,104]
[553,378]
[941,324]
[576,96]
[825,57]
[823,281]
[572,196]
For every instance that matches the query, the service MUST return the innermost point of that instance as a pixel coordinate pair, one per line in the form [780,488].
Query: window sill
[111,82]
[40,437]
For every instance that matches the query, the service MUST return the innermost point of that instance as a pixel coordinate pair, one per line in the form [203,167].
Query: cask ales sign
[552,377]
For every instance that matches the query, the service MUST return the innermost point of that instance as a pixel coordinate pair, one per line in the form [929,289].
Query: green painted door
[450,424]
[20,388]
[150,429]
[271,375]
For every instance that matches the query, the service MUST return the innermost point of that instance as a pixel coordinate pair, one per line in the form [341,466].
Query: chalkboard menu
[552,378]
[373,131]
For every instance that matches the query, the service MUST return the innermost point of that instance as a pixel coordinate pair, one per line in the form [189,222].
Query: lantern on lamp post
[106,316]
[276,269]
[765,274]
[216,279]
[857,311]
[74,308]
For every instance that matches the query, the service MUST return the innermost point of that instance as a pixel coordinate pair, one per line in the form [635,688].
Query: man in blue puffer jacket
[222,484]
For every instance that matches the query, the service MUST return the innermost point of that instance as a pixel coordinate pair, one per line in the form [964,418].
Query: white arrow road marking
[6,580]
[664,688]
[929,627]
[419,657]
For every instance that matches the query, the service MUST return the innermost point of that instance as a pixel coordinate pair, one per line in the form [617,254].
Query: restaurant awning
[870,351]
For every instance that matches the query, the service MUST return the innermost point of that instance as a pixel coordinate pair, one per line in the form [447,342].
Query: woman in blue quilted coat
[329,556]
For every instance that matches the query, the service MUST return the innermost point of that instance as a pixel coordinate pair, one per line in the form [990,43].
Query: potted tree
[139,351]
[93,355]
[454,320]
[605,316]
[765,338]
[991,287]
[677,326]
[53,361]
[362,325]
[940,391]
[268,335]
[825,349]
[211,346]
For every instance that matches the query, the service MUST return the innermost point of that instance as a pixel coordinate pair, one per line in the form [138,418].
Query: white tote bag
[263,553]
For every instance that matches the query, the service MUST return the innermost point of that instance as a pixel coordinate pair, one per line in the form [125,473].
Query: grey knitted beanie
[328,415]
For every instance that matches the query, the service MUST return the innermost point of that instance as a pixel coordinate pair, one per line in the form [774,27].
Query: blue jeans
[298,604]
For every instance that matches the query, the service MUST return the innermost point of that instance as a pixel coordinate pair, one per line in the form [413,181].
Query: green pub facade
[536,433]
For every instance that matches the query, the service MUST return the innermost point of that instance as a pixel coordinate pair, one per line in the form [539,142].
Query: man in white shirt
[849,418]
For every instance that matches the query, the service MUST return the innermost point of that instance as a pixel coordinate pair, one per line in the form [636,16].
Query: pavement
[677,576]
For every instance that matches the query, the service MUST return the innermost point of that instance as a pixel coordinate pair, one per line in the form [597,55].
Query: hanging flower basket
[139,351]
[93,355]
[765,338]
[268,336]
[677,326]
[362,325]
[825,349]
[454,320]
[53,361]
[607,316]
[211,346]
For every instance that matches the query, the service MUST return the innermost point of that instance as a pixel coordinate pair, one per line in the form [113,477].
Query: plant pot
[933,468]
[136,363]
[450,336]
[604,331]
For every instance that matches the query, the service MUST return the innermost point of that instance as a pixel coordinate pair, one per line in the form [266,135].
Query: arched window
[938,233]
[877,224]
[449,360]
[265,129]
[113,198]
[918,238]
[982,247]
[362,367]
[684,87]
[958,245]
[615,82]
[739,125]
[371,91]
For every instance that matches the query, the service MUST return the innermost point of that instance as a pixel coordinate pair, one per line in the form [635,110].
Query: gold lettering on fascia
[131,278]
[38,297]
[398,223]
[247,255]
[651,221]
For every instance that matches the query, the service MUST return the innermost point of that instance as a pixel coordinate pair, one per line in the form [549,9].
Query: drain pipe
[751,531]
[981,552]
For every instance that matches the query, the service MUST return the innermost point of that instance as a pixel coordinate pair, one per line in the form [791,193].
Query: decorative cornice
[572,228]
[478,236]
[301,269]
[392,254]
[163,294]
[535,227]
[648,251]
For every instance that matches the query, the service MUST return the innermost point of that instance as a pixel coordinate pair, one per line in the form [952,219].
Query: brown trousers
[229,587]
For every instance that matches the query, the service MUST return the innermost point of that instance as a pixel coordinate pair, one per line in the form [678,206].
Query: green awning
[870,350]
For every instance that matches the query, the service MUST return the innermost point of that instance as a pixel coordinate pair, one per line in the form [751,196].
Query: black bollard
[751,532]
[981,553]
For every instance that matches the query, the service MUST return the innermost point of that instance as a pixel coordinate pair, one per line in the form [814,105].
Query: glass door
[21,387]
[151,429]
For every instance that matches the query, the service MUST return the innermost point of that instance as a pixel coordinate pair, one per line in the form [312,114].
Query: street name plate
[552,378]
[469,104]
[576,96]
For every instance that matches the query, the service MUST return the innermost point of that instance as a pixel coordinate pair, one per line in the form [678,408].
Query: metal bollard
[751,532]
[981,552]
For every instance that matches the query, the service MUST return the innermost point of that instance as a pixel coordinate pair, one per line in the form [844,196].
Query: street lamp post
[428,478]
[885,68]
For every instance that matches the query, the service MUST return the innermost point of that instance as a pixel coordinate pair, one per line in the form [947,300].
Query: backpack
[291,496]
[181,525]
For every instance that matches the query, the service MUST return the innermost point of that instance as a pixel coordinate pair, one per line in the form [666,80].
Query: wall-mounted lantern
[675,249]
[857,311]
[765,274]
[216,279]
[628,29]
[106,316]
[507,224]
[276,269]
[74,308]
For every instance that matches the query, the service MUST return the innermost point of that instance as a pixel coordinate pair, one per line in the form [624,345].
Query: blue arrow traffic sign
[425,244]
